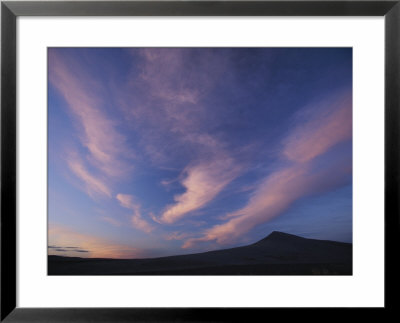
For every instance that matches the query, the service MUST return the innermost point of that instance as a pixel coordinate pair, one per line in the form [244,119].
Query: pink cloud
[176,236]
[93,184]
[203,182]
[107,147]
[127,201]
[322,132]
[166,72]
[141,224]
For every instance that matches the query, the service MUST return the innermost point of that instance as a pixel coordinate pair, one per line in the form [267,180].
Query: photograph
[199,161]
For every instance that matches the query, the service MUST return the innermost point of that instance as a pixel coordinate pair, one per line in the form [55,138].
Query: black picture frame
[10,10]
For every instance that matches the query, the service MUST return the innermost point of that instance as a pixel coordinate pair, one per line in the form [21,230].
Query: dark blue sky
[161,151]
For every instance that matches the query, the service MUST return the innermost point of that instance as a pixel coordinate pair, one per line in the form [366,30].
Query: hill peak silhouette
[279,236]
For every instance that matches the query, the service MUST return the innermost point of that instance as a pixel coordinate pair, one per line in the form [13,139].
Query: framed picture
[186,156]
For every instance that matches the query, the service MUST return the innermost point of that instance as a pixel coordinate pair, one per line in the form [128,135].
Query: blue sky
[162,151]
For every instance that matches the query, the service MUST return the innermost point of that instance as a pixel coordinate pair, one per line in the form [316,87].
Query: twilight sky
[163,151]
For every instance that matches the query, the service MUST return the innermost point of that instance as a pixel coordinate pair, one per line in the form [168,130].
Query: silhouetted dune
[277,254]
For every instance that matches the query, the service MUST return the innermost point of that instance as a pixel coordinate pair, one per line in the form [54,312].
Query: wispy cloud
[93,184]
[164,100]
[301,178]
[166,71]
[127,201]
[316,136]
[107,148]
[176,236]
[203,182]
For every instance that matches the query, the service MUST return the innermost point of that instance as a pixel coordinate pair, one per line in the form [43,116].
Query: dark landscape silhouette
[277,254]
